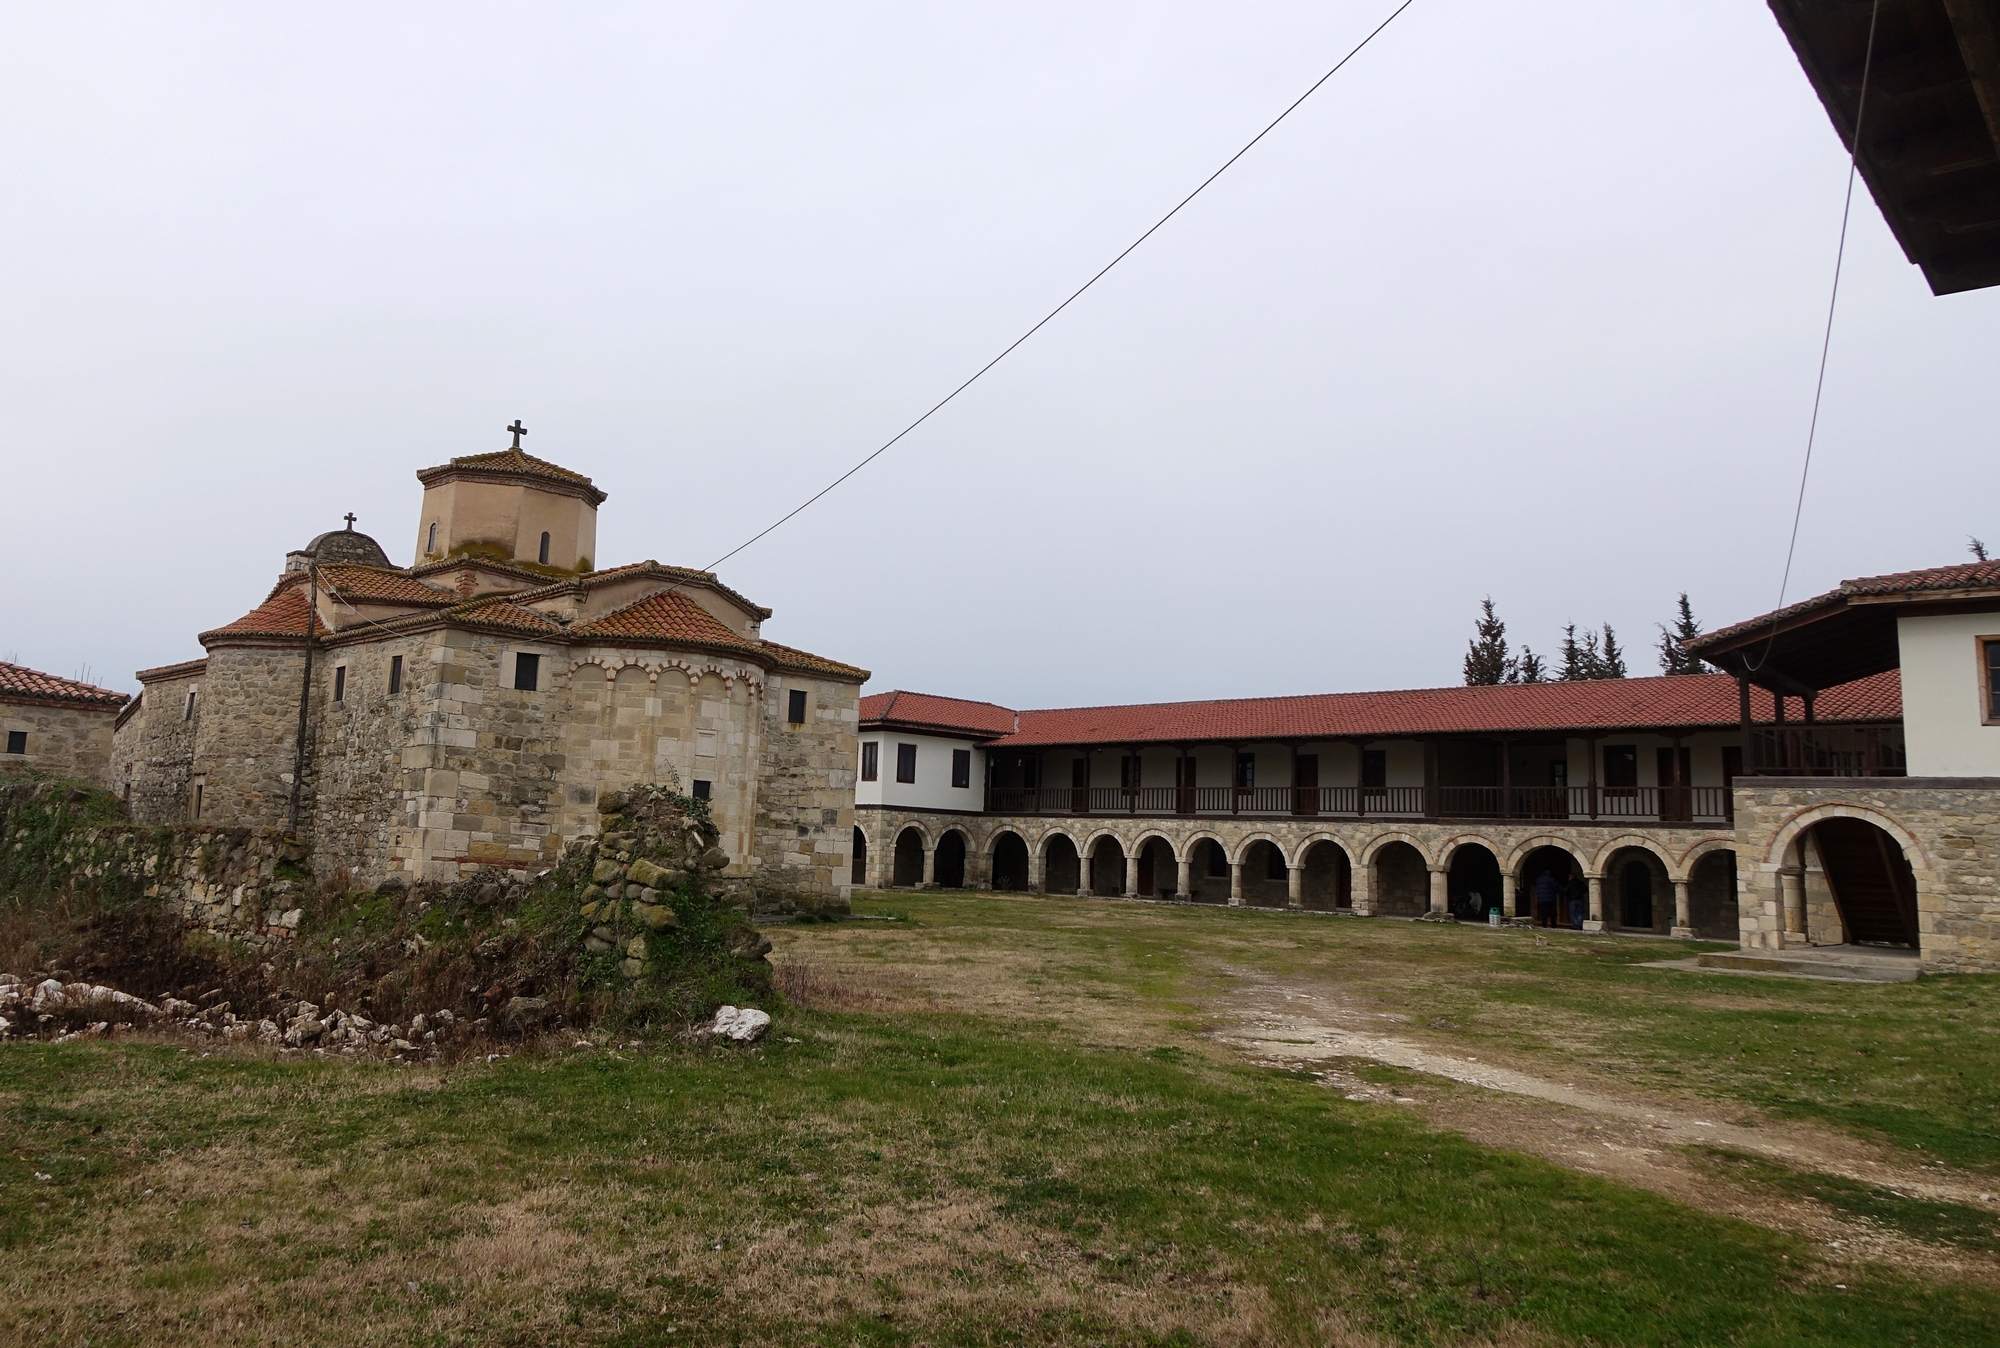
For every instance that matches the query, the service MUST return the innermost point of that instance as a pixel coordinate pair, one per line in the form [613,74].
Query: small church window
[527,671]
[795,706]
[17,741]
[545,549]
[395,673]
[197,800]
[187,712]
[870,761]
[340,683]
[431,543]
[701,789]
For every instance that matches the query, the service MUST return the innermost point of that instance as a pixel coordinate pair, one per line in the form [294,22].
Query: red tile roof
[1679,702]
[925,711]
[678,575]
[501,611]
[392,587]
[664,615]
[805,662]
[18,683]
[516,461]
[283,614]
[1965,576]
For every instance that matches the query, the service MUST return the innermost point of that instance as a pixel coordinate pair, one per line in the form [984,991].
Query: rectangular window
[340,683]
[1375,770]
[1128,771]
[17,741]
[1246,772]
[527,672]
[871,769]
[197,800]
[187,712]
[795,706]
[961,767]
[701,789]
[1989,650]
[395,674]
[1621,767]
[1079,773]
[1031,773]
[906,762]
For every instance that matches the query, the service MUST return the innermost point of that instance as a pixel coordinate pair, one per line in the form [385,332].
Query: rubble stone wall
[246,735]
[153,752]
[62,741]
[805,801]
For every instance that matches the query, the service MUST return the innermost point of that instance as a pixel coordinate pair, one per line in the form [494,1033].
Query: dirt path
[1633,1138]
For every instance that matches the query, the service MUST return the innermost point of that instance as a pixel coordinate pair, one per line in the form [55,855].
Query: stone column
[1235,884]
[1082,874]
[1683,915]
[1295,895]
[1360,891]
[1595,922]
[1509,894]
[877,866]
[1792,885]
[1440,894]
[1187,880]
[1037,873]
[930,868]
[1131,875]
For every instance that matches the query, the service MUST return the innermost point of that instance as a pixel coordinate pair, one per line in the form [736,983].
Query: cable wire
[1826,341]
[1074,296]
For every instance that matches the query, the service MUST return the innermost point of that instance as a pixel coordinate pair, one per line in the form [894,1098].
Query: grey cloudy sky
[1527,302]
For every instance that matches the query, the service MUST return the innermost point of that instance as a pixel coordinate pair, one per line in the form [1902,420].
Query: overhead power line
[1074,295]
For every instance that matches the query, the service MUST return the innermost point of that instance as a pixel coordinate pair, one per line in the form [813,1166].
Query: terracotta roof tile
[517,461]
[805,662]
[281,615]
[501,611]
[371,582]
[1685,702]
[1964,576]
[18,683]
[937,713]
[664,615]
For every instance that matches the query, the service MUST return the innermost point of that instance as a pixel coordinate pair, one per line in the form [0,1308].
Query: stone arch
[1473,883]
[948,862]
[1265,871]
[1061,861]
[1514,860]
[1249,840]
[1328,881]
[1863,883]
[1447,849]
[1206,856]
[1105,855]
[1098,835]
[1706,847]
[1380,840]
[1398,875]
[859,859]
[1714,910]
[1185,852]
[1567,867]
[908,860]
[1624,840]
[1784,839]
[1007,860]
[1159,867]
[1638,888]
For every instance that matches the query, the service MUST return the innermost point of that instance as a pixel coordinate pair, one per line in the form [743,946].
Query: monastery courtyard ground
[1024,1120]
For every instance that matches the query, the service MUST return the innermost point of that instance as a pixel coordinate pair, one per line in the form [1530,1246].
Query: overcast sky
[1526,301]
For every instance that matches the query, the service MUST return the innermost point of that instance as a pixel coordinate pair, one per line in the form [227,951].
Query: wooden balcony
[1575,804]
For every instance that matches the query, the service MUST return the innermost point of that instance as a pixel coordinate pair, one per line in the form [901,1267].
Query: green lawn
[1019,1141]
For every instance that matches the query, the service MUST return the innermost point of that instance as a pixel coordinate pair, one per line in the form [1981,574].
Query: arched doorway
[1159,873]
[860,868]
[1638,894]
[1210,872]
[1266,878]
[1059,865]
[1472,886]
[948,870]
[1872,884]
[1010,862]
[1402,885]
[1107,868]
[1329,877]
[1571,899]
[1712,897]
[909,867]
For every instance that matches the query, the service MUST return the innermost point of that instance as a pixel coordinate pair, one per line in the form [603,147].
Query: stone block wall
[1947,828]
[356,798]
[246,733]
[805,802]
[153,752]
[62,741]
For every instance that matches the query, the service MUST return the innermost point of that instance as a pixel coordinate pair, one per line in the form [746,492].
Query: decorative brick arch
[1312,840]
[905,827]
[1382,840]
[1099,835]
[1040,845]
[1250,840]
[992,841]
[1147,835]
[610,670]
[1706,847]
[1448,849]
[1595,870]
[1785,837]
[1186,850]
[1515,859]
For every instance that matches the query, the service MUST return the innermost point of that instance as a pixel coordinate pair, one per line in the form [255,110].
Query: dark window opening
[197,800]
[545,550]
[1218,860]
[1274,865]
[961,767]
[340,683]
[1246,772]
[870,753]
[1621,767]
[1079,773]
[17,741]
[1375,769]
[187,712]
[1129,768]
[1992,679]
[795,706]
[527,671]
[395,673]
[1031,772]
[701,789]
[431,544]
[906,763]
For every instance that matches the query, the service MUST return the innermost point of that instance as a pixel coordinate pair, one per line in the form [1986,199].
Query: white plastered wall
[1942,727]
[933,789]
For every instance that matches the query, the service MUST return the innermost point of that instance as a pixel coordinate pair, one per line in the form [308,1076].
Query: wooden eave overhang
[1930,145]
[1832,639]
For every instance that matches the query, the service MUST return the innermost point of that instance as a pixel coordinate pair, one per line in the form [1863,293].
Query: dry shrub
[807,983]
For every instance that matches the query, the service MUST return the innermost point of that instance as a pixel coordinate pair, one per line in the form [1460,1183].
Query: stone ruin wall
[153,751]
[71,742]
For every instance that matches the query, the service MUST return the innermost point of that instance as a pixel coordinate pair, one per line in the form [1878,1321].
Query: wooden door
[1305,784]
[1184,780]
[1675,776]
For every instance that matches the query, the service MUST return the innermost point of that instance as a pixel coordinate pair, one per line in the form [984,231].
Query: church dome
[338,546]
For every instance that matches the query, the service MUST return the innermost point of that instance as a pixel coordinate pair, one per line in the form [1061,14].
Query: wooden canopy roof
[1930,147]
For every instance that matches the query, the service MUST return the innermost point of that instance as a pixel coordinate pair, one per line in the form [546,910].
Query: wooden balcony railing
[1801,750]
[1665,805]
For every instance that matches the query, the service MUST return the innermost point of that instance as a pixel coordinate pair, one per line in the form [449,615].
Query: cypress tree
[1675,658]
[1486,658]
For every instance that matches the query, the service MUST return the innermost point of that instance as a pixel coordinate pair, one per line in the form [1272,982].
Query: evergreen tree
[1675,657]
[1977,549]
[1573,666]
[1486,658]
[1611,663]
[1530,669]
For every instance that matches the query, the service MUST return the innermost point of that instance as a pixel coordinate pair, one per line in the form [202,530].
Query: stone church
[466,710]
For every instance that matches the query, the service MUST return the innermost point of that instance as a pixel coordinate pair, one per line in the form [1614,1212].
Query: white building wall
[933,789]
[1943,730]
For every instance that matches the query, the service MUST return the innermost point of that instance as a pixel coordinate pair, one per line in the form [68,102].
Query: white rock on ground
[744,1024]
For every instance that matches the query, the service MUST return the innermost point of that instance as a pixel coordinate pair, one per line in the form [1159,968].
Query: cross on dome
[349,517]
[518,431]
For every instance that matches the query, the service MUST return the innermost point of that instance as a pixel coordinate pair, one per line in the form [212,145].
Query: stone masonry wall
[246,734]
[1948,828]
[805,803]
[73,743]
[356,783]
[154,751]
